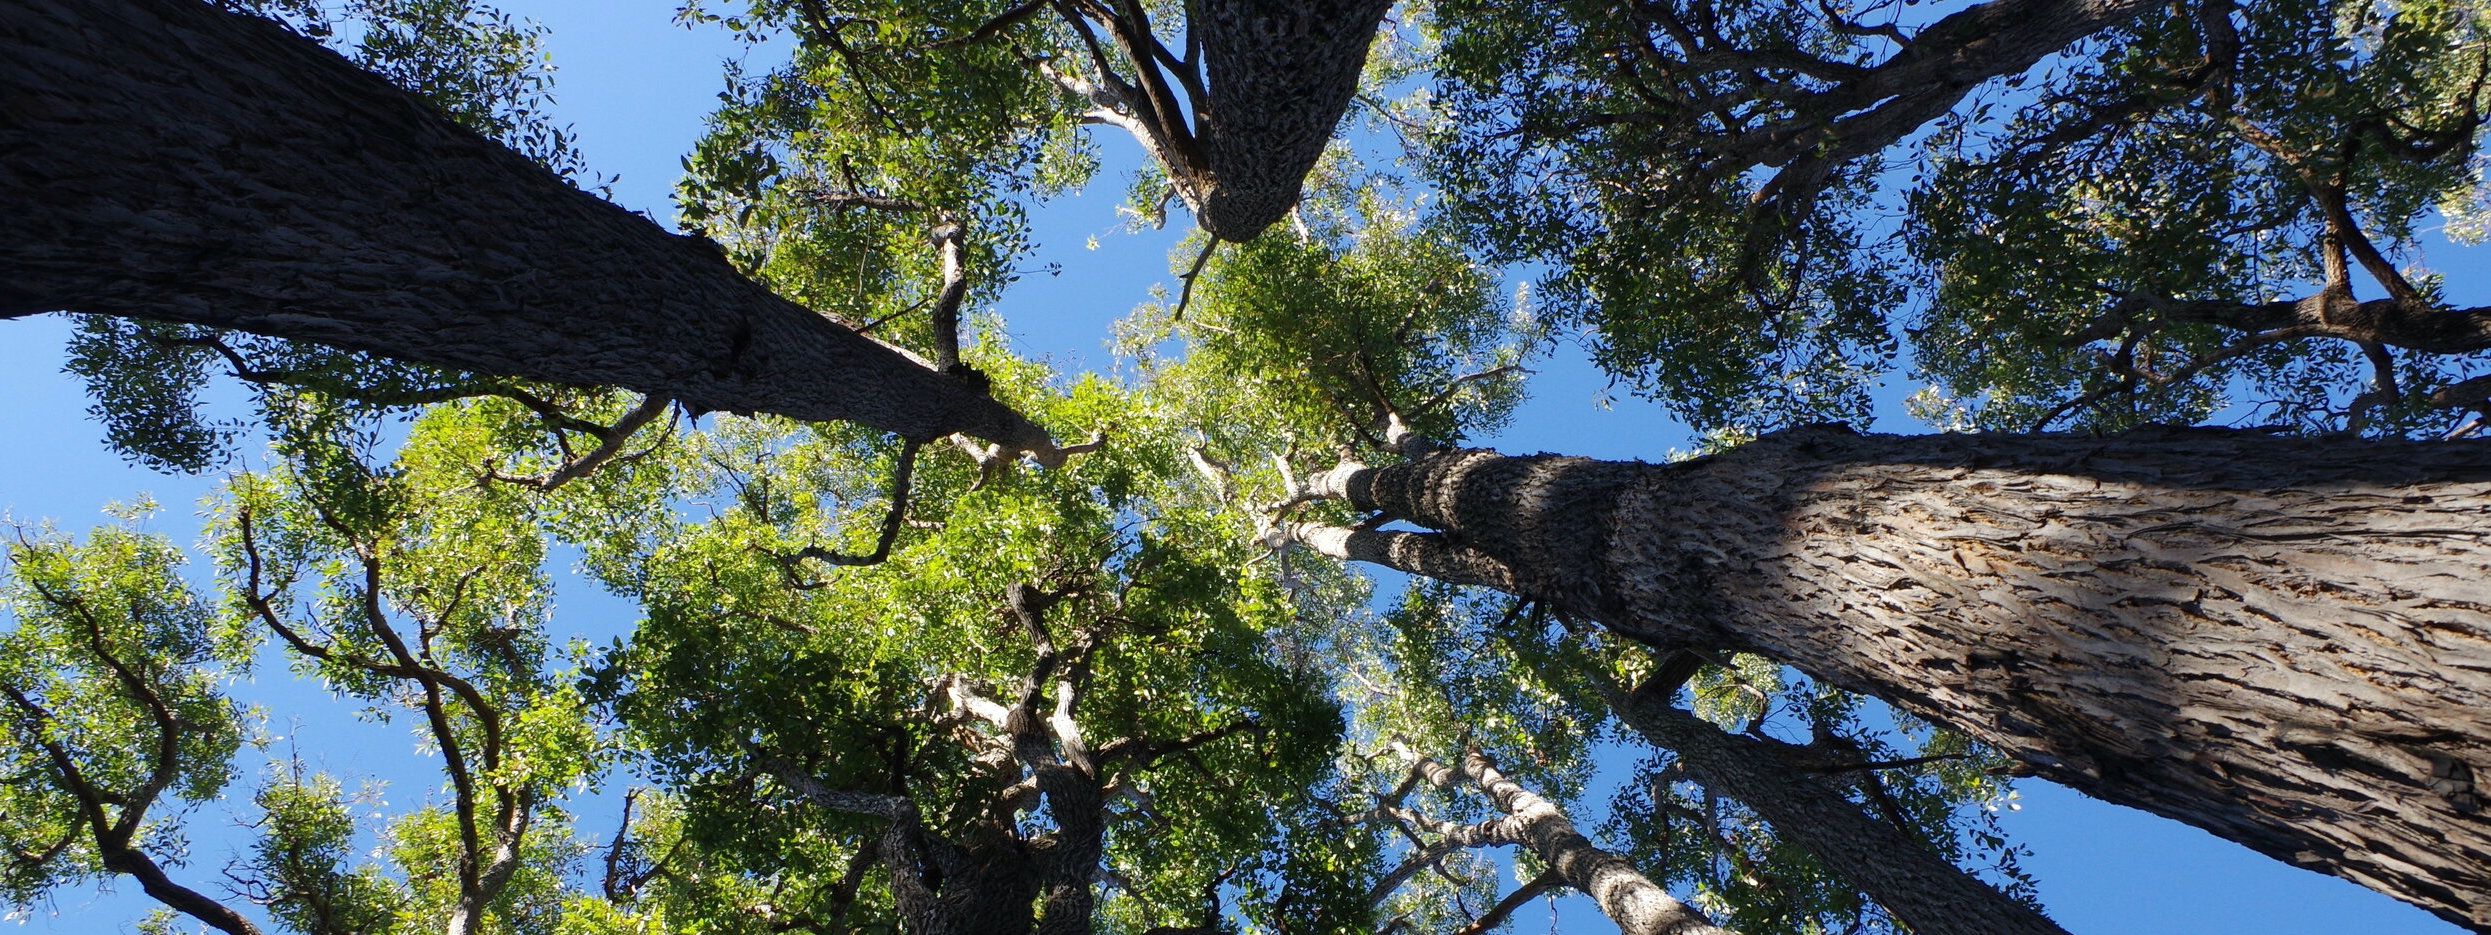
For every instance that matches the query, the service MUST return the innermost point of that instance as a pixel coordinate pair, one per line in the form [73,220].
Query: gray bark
[1897,870]
[164,160]
[1630,899]
[2284,641]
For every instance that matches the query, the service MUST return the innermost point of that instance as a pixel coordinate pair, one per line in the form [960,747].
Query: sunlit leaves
[825,176]
[111,700]
[2166,168]
[304,866]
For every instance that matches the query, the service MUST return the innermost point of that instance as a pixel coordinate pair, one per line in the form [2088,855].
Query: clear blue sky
[634,88]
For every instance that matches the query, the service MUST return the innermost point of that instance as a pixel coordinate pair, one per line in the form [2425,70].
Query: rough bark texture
[164,160]
[2284,641]
[1281,73]
[1899,871]
[1630,899]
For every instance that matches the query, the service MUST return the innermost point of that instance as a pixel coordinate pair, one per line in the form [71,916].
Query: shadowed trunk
[164,160]
[1895,868]
[2284,641]
[1281,73]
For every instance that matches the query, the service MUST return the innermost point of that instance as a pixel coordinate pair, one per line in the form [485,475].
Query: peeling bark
[167,161]
[2284,641]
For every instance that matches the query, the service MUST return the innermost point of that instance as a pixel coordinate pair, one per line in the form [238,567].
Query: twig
[1186,296]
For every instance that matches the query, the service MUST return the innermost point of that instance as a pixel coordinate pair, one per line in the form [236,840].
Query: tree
[2167,620]
[349,214]
[2285,154]
[2132,246]
[1368,315]
[109,648]
[870,684]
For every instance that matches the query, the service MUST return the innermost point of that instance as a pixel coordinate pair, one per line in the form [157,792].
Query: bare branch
[1145,752]
[1186,296]
[1505,908]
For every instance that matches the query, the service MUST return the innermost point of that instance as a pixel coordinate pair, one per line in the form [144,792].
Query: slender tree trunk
[1630,899]
[164,160]
[1900,872]
[2284,641]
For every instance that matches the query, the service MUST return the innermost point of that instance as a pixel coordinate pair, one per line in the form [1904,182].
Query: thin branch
[2133,379]
[893,807]
[1505,908]
[891,521]
[1455,385]
[1145,752]
[993,27]
[836,199]
[828,33]
[610,442]
[1185,296]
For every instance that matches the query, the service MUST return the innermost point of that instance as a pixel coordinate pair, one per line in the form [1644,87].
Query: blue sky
[634,88]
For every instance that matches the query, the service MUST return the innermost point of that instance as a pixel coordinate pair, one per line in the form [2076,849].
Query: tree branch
[892,520]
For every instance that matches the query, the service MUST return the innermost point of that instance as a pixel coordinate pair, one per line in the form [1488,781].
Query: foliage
[1105,672]
[1563,142]
[115,718]
[2123,249]
[2192,163]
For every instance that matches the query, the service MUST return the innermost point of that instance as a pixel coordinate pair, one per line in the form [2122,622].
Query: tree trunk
[1899,871]
[164,160]
[2284,641]
[1280,75]
[1630,899]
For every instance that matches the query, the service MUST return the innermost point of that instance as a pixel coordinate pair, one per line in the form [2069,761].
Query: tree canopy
[884,673]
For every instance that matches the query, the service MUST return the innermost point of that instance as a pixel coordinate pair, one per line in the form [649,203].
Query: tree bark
[164,160]
[1281,74]
[2414,326]
[2284,641]
[1630,899]
[1900,872]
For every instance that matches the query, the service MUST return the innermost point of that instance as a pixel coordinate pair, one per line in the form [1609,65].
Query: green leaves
[2083,246]
[110,696]
[1571,141]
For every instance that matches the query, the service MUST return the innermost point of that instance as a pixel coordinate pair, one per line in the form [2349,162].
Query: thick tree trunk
[164,160]
[1899,871]
[1281,73]
[2284,641]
